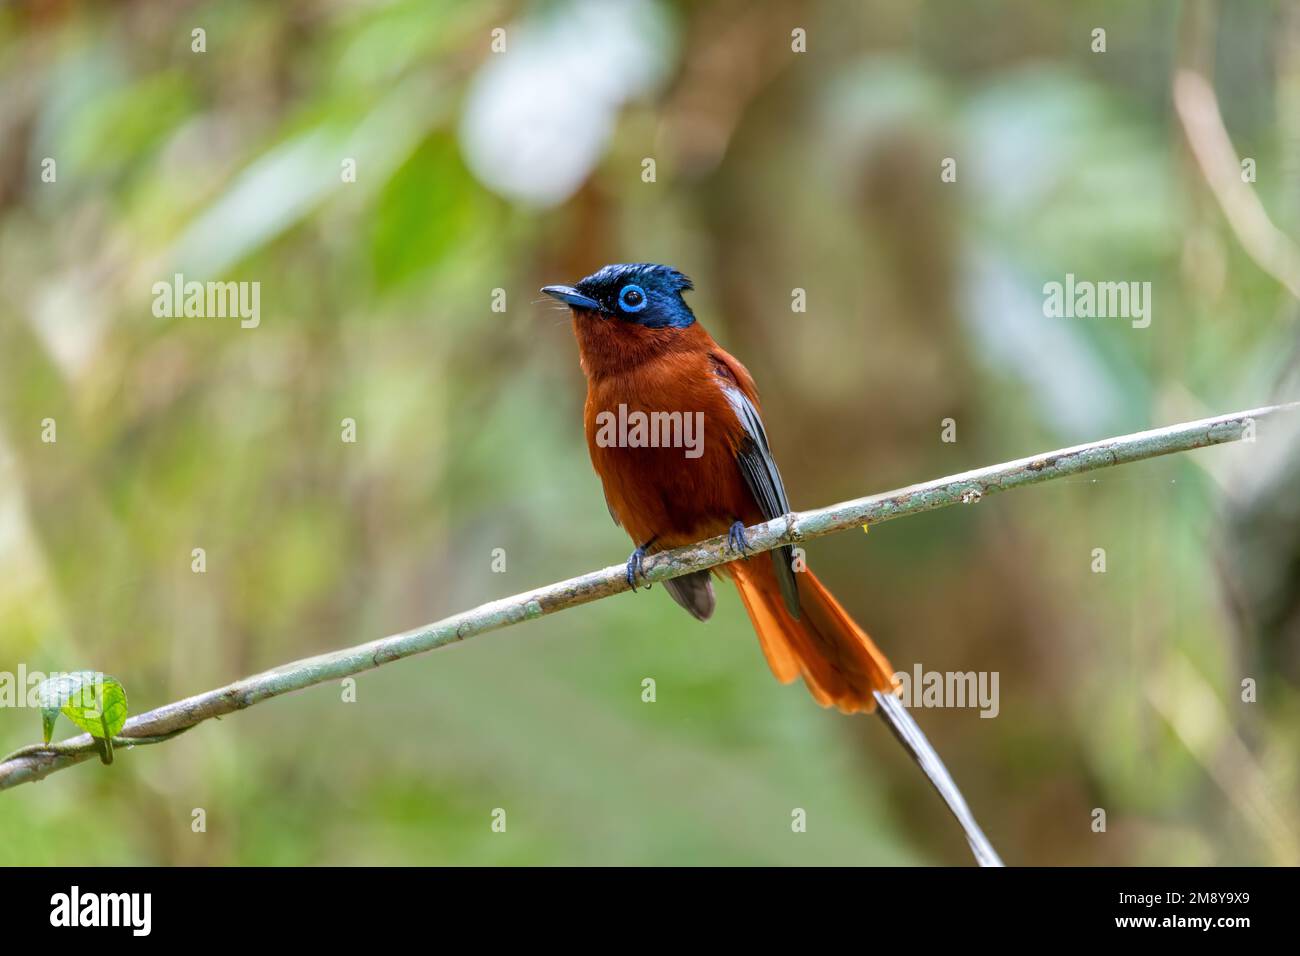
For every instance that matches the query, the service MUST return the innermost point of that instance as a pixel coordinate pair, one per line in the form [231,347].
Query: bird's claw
[634,567]
[736,540]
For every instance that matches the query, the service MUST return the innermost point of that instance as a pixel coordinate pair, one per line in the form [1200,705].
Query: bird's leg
[634,563]
[736,539]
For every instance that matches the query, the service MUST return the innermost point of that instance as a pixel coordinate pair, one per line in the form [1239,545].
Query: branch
[35,762]
[1271,248]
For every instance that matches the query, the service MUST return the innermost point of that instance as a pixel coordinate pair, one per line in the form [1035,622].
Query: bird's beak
[571,296]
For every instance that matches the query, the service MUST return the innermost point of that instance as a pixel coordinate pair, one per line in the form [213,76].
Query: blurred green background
[774,170]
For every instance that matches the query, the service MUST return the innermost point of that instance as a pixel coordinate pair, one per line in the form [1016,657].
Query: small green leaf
[53,692]
[94,702]
[98,707]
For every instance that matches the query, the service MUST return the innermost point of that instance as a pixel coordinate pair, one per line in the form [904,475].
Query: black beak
[571,296]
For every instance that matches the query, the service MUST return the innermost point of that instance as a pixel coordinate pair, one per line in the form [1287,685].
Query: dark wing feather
[764,480]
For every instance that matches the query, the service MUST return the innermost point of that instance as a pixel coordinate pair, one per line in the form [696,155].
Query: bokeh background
[774,170]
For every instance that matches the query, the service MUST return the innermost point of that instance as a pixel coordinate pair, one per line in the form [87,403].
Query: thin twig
[1271,248]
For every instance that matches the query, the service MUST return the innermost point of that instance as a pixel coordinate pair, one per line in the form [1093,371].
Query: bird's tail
[842,666]
[839,663]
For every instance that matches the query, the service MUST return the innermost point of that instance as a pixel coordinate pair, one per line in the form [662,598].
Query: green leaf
[98,707]
[53,692]
[94,702]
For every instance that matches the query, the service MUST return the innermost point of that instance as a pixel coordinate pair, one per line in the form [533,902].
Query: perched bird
[644,352]
[676,435]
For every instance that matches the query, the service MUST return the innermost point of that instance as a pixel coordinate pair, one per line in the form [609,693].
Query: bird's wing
[612,513]
[757,465]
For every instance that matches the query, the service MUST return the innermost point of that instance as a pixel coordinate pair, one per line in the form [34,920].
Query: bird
[675,433]
[645,354]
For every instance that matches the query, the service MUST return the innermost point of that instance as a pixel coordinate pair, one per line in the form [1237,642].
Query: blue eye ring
[638,296]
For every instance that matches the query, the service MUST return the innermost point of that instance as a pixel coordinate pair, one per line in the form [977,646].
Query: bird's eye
[632,298]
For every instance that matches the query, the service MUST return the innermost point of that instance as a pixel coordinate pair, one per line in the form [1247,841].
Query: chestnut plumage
[644,354]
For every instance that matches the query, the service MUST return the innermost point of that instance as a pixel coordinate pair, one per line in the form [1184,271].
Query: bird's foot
[634,563]
[634,566]
[736,540]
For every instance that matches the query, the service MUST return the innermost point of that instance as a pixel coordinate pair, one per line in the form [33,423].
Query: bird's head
[641,293]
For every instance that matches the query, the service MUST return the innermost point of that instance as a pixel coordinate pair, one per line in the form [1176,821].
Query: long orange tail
[839,663]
